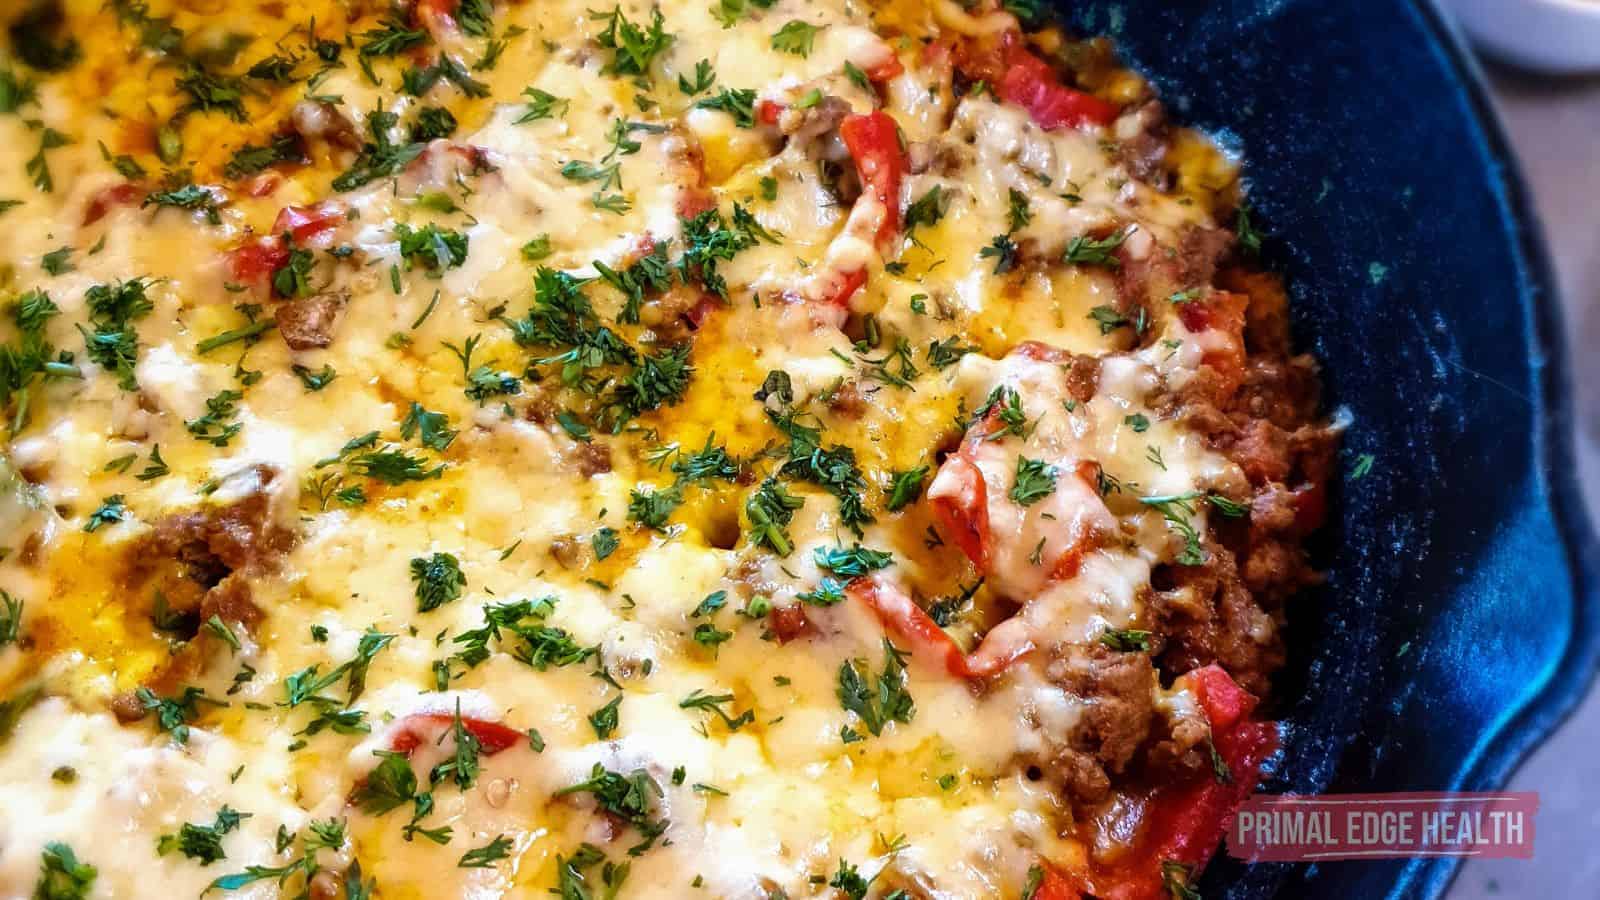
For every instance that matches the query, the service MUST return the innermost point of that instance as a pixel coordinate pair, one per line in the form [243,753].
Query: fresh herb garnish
[877,706]
[1035,480]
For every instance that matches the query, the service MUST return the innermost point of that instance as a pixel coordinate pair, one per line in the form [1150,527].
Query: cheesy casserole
[710,448]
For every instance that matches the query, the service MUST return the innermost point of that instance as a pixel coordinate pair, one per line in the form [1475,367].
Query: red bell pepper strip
[890,68]
[418,728]
[788,622]
[874,143]
[1019,77]
[965,516]
[842,289]
[259,258]
[1030,83]
[124,194]
[1057,885]
[251,262]
[768,111]
[928,642]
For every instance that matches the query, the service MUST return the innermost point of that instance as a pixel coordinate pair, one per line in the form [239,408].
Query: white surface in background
[1555,127]
[1549,35]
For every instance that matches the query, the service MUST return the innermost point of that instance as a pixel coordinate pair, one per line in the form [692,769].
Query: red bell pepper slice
[1020,77]
[1030,83]
[259,258]
[928,642]
[305,223]
[251,262]
[965,516]
[890,68]
[1057,885]
[788,622]
[124,194]
[905,620]
[768,111]
[418,728]
[874,143]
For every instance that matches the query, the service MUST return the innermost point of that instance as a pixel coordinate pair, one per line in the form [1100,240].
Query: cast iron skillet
[1459,621]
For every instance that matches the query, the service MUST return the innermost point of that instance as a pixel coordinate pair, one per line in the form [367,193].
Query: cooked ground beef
[307,323]
[1116,689]
[201,560]
[1230,610]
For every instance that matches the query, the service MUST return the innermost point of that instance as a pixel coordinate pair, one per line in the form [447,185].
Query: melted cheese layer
[536,476]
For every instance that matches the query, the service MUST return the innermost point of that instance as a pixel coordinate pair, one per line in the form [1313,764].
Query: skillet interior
[1458,623]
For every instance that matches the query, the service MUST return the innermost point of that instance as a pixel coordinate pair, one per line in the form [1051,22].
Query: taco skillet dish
[718,448]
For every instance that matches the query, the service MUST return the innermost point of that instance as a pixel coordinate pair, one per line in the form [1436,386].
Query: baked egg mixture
[710,448]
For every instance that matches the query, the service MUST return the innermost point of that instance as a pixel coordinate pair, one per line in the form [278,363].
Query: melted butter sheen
[519,502]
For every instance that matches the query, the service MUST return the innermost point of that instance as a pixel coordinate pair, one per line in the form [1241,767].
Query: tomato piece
[415,729]
[874,143]
[305,223]
[249,263]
